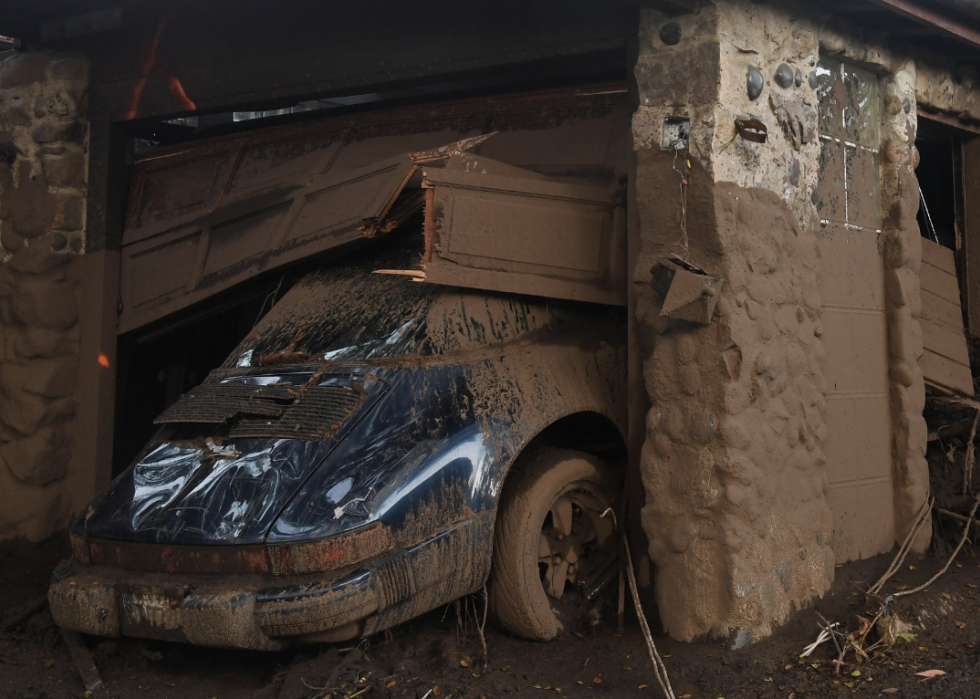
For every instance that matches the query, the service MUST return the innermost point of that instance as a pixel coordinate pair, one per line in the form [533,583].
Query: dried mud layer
[441,652]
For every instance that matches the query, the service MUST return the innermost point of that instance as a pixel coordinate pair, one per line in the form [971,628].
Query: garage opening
[217,228]
[158,363]
[942,223]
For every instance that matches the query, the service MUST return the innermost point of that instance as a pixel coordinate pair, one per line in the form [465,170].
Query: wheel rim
[574,536]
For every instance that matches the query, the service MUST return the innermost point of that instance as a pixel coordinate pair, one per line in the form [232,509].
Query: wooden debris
[82,658]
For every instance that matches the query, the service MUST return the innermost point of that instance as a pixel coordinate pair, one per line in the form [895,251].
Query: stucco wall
[43,137]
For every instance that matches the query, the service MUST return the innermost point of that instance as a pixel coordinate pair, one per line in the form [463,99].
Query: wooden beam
[948,120]
[971,234]
[922,15]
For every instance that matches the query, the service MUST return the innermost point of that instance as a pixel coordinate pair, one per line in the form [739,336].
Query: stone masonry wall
[43,171]
[737,512]
[736,509]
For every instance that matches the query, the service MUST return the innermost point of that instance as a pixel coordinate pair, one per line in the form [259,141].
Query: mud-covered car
[374,448]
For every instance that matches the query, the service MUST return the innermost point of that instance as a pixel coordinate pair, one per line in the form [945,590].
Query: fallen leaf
[814,665]
[923,648]
[856,673]
[929,674]
[596,680]
[849,684]
[788,667]
[463,663]
[391,684]
[911,567]
[960,624]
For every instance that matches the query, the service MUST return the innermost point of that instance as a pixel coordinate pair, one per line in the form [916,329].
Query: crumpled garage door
[543,214]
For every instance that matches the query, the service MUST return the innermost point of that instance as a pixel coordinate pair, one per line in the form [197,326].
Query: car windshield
[346,311]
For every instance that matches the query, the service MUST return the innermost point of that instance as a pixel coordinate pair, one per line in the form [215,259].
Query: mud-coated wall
[737,511]
[43,170]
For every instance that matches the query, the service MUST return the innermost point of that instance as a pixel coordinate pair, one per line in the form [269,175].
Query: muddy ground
[441,653]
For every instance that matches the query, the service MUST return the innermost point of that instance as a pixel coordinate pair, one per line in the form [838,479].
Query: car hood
[193,486]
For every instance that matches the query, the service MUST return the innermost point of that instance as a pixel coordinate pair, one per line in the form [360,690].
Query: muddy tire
[549,490]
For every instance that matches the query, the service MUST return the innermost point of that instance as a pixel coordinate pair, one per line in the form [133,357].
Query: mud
[442,649]
[42,202]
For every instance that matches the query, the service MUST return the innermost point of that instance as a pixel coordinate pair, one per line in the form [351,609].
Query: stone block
[52,130]
[29,207]
[65,171]
[23,412]
[40,458]
[41,342]
[70,213]
[14,116]
[38,301]
[23,69]
[49,378]
[34,259]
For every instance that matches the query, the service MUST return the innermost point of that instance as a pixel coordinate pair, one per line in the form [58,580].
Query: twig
[822,637]
[482,625]
[961,518]
[905,548]
[966,532]
[829,628]
[970,451]
[660,670]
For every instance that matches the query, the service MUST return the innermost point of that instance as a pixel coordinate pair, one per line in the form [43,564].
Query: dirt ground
[441,652]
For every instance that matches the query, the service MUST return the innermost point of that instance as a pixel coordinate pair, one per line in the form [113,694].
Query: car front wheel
[551,540]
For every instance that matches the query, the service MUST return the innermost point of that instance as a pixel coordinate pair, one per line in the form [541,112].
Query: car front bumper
[267,613]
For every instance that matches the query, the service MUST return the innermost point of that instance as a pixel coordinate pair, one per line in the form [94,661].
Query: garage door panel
[161,270]
[287,159]
[261,199]
[242,239]
[169,190]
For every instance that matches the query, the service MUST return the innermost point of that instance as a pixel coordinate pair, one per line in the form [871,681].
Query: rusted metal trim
[429,226]
[923,15]
[334,553]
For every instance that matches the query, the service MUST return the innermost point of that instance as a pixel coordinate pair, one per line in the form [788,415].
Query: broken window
[848,193]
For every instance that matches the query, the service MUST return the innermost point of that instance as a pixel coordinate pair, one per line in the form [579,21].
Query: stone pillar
[736,512]
[902,244]
[43,169]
